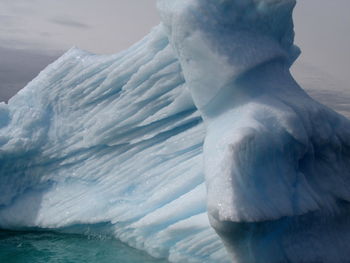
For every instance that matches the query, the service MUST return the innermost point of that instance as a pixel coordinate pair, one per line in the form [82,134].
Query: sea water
[49,247]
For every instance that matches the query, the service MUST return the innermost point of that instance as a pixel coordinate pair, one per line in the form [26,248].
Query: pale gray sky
[34,32]
[101,26]
[323,33]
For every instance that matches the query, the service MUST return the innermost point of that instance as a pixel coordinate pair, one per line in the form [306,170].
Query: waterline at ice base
[195,145]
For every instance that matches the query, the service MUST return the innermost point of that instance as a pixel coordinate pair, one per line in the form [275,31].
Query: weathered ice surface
[114,140]
[114,144]
[277,163]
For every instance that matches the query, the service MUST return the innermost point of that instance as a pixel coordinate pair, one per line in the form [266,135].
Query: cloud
[6,20]
[18,67]
[69,23]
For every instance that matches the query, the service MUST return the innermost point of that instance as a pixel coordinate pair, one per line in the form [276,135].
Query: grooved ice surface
[114,144]
[113,139]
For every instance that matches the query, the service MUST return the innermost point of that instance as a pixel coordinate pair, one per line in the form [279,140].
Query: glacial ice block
[201,117]
[114,141]
[276,162]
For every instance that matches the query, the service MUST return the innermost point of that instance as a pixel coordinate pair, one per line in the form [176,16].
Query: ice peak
[227,38]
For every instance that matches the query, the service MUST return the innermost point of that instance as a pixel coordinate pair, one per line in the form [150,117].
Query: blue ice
[196,144]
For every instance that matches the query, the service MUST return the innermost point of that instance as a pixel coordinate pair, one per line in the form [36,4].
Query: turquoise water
[48,247]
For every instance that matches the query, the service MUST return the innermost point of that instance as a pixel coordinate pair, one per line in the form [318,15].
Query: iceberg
[196,144]
[276,162]
[112,145]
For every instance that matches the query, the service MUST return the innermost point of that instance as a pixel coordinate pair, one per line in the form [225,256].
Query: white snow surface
[200,117]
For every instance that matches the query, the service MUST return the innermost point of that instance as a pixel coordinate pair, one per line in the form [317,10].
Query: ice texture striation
[113,140]
[202,117]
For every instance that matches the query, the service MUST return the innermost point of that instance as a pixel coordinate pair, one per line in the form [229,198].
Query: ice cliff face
[114,144]
[276,162]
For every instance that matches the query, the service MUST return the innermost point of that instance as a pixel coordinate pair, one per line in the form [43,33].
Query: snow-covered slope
[114,144]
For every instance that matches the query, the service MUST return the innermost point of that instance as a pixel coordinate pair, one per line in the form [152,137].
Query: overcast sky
[35,32]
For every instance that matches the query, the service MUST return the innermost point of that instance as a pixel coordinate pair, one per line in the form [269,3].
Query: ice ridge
[109,139]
